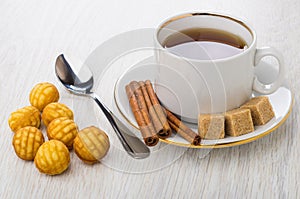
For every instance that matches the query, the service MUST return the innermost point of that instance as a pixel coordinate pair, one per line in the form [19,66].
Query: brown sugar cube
[238,122]
[261,110]
[211,126]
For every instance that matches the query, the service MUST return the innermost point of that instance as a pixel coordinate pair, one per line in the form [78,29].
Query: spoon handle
[132,144]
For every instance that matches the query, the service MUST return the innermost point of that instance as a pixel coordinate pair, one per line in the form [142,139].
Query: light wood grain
[33,33]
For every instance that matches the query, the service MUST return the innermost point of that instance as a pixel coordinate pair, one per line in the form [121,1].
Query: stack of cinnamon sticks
[153,120]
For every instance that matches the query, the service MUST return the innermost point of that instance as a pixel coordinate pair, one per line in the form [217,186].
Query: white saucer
[281,101]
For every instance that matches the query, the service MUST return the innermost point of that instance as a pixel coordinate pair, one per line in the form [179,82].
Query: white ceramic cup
[188,87]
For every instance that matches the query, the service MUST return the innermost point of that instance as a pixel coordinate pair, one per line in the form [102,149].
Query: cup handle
[270,88]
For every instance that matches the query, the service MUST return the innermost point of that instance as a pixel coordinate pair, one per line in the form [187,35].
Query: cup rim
[185,15]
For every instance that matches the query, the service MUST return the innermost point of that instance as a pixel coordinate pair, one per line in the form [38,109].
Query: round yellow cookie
[91,144]
[26,116]
[43,94]
[52,158]
[26,142]
[56,110]
[64,130]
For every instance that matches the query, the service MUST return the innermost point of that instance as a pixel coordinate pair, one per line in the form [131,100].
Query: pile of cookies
[240,121]
[53,157]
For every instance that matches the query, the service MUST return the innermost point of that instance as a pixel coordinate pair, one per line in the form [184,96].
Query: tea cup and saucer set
[199,63]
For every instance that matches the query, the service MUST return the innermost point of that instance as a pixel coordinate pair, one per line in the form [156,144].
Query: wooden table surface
[33,33]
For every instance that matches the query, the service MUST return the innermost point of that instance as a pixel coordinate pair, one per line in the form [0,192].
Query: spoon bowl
[72,82]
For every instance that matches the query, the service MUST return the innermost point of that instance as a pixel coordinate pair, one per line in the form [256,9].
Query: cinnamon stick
[159,110]
[154,117]
[182,129]
[141,116]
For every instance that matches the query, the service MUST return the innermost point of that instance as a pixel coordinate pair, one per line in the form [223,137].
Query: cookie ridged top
[52,158]
[91,144]
[26,116]
[43,94]
[26,142]
[56,110]
[64,130]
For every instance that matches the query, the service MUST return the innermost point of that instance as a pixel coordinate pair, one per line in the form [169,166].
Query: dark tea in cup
[204,44]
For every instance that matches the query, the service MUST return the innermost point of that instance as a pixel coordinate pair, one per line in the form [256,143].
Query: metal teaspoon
[132,144]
